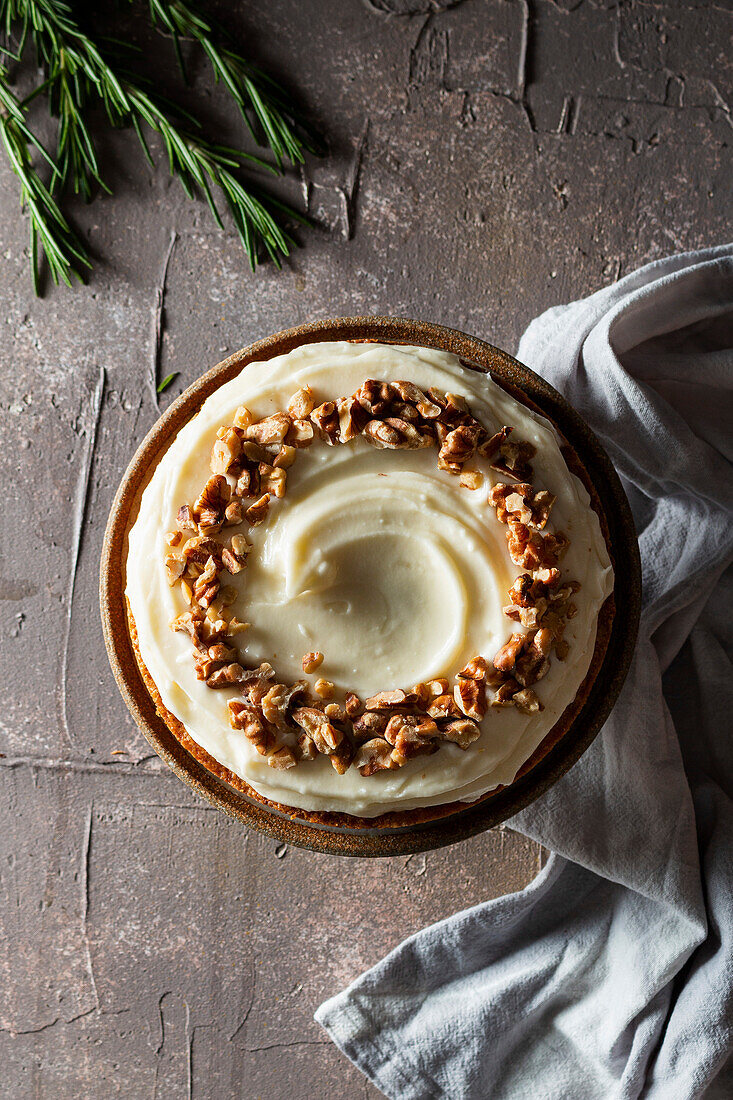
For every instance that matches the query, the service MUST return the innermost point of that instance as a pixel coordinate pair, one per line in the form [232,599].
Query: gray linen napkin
[611,975]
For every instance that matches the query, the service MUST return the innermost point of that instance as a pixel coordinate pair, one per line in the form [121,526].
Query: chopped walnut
[174,567]
[476,669]
[301,434]
[374,756]
[471,479]
[312,661]
[514,459]
[529,549]
[207,585]
[437,687]
[375,397]
[243,417]
[282,758]
[542,503]
[548,576]
[462,732]
[187,623]
[404,411]
[386,700]
[278,698]
[226,451]
[230,562]
[302,403]
[174,538]
[305,748]
[236,626]
[241,546]
[326,420]
[459,446]
[352,418]
[221,652]
[504,695]
[505,658]
[353,704]
[257,512]
[335,712]
[453,408]
[225,677]
[410,735]
[185,519]
[324,735]
[245,717]
[444,706]
[382,435]
[208,511]
[419,726]
[470,697]
[531,667]
[414,396]
[421,694]
[233,513]
[248,483]
[527,701]
[525,591]
[273,480]
[342,756]
[519,503]
[527,616]
[273,429]
[324,689]
[369,724]
[255,452]
[410,437]
[197,552]
[489,447]
[285,457]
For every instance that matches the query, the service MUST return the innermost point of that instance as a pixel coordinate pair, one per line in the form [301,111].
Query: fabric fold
[611,975]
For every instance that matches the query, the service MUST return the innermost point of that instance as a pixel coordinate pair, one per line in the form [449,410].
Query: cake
[368,584]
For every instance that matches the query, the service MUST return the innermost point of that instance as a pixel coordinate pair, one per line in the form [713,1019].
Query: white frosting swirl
[377,559]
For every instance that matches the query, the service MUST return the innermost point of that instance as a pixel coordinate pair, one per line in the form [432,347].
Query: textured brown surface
[436,826]
[486,162]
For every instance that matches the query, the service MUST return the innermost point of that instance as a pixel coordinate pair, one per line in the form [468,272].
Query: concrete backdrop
[486,159]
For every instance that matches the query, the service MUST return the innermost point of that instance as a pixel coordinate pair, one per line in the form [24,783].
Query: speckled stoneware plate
[563,745]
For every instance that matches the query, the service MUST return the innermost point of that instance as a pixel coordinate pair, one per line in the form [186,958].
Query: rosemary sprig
[248,87]
[77,72]
[64,253]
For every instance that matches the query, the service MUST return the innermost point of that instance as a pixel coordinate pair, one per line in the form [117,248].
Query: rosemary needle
[167,381]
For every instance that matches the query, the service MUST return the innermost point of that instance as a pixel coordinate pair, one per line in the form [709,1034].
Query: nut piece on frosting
[324,689]
[208,511]
[311,661]
[374,756]
[302,403]
[462,732]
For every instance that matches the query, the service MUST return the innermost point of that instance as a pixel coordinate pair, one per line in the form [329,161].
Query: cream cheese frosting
[377,559]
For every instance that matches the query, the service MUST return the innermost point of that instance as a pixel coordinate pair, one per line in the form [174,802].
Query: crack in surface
[84,889]
[79,517]
[388,9]
[157,319]
[114,767]
[350,190]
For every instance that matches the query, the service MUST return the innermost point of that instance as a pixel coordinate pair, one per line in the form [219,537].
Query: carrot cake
[364,579]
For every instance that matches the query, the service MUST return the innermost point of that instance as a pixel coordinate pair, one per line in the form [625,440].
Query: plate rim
[476,817]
